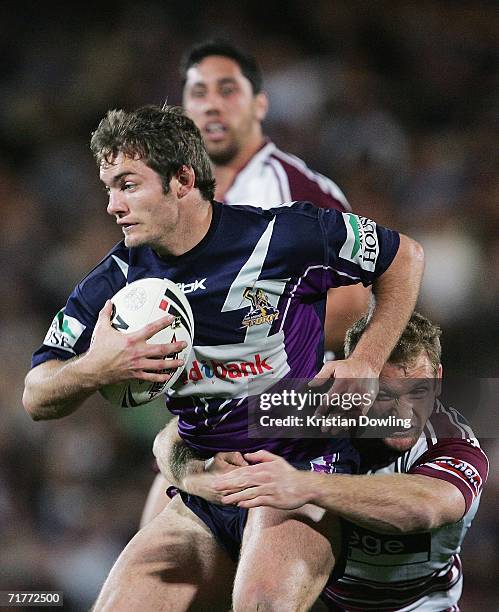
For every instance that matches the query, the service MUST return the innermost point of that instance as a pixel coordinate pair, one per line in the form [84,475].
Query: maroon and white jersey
[273,177]
[416,571]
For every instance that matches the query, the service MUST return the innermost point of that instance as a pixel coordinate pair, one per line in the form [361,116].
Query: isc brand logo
[64,332]
[191,287]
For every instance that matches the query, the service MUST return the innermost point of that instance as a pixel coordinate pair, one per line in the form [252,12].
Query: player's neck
[192,226]
[225,174]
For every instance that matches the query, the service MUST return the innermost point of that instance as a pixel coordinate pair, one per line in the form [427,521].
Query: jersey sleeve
[357,249]
[460,462]
[71,329]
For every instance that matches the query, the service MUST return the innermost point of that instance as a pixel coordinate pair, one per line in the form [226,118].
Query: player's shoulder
[284,210]
[446,433]
[111,271]
[447,423]
[305,183]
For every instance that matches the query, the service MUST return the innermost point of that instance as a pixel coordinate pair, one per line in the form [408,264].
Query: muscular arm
[390,503]
[55,388]
[345,305]
[183,468]
[176,461]
[396,292]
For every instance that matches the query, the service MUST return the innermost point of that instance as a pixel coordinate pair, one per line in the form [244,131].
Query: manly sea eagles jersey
[272,176]
[416,571]
[257,285]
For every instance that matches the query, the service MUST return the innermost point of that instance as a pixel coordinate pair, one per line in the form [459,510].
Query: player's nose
[404,408]
[116,203]
[212,102]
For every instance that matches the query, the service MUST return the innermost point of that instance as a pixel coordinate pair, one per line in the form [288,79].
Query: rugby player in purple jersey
[223,94]
[155,168]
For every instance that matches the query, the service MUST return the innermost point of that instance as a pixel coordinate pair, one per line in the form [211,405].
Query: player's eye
[419,392]
[383,397]
[198,93]
[127,186]
[227,90]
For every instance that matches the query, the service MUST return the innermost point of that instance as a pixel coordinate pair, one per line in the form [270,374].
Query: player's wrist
[90,376]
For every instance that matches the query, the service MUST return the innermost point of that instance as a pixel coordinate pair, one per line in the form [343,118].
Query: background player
[426,479]
[157,174]
[222,93]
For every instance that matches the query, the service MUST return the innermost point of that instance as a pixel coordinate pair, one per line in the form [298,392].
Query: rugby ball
[135,305]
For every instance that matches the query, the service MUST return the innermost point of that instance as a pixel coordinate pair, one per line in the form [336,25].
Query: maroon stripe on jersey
[304,188]
[358,595]
[459,462]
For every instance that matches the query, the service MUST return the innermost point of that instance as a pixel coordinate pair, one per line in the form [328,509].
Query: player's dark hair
[163,138]
[247,63]
[419,335]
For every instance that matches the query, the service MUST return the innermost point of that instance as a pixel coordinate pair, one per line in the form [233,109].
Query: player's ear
[261,105]
[439,380]
[185,179]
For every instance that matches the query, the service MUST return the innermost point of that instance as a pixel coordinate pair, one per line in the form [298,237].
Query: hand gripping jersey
[416,571]
[272,176]
[257,285]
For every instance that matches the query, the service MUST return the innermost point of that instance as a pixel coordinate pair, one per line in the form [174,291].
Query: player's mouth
[126,227]
[410,432]
[214,131]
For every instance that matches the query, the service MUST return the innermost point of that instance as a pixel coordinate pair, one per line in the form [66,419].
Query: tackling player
[407,518]
[155,168]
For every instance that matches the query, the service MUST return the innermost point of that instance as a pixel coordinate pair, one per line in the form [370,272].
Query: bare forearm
[395,292]
[176,461]
[391,503]
[55,389]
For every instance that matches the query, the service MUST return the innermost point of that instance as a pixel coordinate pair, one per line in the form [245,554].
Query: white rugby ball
[136,305]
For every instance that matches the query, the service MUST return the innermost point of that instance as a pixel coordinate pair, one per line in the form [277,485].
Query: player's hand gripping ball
[136,305]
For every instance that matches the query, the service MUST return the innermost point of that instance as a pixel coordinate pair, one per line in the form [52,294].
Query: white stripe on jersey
[282,179]
[251,270]
[324,183]
[122,265]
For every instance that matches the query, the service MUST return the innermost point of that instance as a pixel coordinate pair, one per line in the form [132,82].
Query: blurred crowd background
[398,102]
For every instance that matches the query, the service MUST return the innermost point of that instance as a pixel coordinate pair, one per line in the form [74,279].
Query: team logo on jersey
[64,332]
[361,245]
[261,310]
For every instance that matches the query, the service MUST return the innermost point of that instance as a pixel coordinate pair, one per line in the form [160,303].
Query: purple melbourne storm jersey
[416,571]
[257,285]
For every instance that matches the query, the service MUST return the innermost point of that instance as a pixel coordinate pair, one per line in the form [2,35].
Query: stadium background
[396,101]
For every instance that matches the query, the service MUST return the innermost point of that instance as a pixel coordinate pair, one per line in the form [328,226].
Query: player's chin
[401,442]
[133,239]
[221,152]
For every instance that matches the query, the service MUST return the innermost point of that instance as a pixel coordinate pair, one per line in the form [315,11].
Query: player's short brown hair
[165,139]
[419,335]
